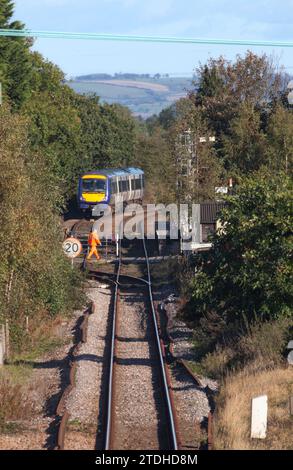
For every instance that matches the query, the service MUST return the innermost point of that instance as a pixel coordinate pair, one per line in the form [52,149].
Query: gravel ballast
[85,401]
[138,401]
[140,414]
[192,401]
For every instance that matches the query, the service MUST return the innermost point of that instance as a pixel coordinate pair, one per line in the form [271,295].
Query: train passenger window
[137,183]
[120,186]
[113,187]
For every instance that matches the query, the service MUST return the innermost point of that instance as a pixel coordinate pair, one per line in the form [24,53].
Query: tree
[154,156]
[6,12]
[222,86]
[35,277]
[167,117]
[45,76]
[55,133]
[30,229]
[248,272]
[15,68]
[245,149]
[118,135]
[280,139]
[210,84]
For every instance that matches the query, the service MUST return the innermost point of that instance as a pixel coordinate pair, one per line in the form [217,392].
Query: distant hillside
[143,94]
[126,76]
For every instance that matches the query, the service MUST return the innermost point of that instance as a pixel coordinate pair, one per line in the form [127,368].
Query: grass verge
[233,416]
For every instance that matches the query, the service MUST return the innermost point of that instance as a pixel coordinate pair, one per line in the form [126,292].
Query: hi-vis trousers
[93,251]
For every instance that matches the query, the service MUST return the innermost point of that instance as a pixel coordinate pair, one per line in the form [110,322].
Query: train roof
[116,172]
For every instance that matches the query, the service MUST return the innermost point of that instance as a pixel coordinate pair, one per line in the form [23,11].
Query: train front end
[92,190]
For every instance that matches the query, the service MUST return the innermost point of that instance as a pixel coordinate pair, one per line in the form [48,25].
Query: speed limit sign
[72,247]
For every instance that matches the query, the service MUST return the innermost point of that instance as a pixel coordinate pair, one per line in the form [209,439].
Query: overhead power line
[130,38]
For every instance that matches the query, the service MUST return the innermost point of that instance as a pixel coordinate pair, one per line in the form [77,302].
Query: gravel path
[139,421]
[44,388]
[182,347]
[192,407]
[193,403]
[85,402]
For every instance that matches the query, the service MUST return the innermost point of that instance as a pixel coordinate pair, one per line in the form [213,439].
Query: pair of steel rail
[166,393]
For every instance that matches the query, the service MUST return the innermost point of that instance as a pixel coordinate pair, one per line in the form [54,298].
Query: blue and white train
[109,186]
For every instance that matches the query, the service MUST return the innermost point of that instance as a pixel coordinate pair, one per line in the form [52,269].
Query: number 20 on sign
[72,247]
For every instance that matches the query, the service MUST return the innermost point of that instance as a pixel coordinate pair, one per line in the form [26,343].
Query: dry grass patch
[15,404]
[233,418]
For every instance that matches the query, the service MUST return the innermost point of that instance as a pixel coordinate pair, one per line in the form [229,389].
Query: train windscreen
[93,186]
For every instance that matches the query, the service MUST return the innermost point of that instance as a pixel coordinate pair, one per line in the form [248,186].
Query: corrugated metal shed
[209,212]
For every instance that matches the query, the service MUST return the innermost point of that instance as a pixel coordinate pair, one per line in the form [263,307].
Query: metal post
[291,405]
[1,352]
[117,245]
[2,345]
[7,343]
[3,338]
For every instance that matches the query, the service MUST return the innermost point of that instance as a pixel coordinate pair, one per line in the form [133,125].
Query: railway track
[136,400]
[140,411]
[81,229]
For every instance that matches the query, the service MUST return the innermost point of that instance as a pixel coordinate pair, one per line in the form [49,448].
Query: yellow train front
[108,186]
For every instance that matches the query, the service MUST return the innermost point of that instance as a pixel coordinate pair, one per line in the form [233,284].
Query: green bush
[35,278]
[248,272]
[262,345]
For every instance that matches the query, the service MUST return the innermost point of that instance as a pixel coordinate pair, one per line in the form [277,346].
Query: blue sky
[229,19]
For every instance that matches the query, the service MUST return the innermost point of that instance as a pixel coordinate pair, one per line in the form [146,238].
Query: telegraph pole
[290,94]
[290,101]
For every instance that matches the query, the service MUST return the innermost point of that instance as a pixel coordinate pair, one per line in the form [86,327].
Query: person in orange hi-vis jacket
[93,242]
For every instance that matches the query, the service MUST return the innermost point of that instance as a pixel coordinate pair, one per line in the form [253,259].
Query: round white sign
[72,247]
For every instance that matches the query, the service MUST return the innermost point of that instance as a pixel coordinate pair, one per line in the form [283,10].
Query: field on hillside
[143,97]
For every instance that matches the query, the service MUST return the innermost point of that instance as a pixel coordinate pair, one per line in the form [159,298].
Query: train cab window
[92,185]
